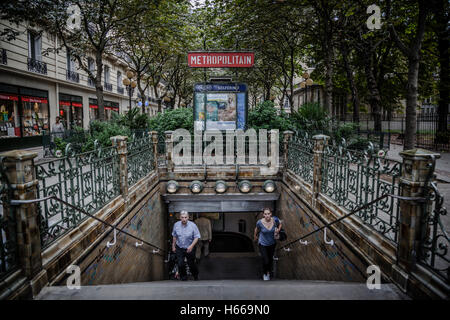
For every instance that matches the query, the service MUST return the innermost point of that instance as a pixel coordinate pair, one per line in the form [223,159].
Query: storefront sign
[33,99]
[93,106]
[8,97]
[221,59]
[64,103]
[112,108]
[78,105]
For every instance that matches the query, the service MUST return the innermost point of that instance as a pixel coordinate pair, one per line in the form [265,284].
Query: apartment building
[37,85]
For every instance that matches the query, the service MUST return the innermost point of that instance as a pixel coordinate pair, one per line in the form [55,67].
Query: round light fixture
[221,186]
[309,82]
[130,74]
[269,186]
[196,186]
[245,186]
[126,82]
[172,186]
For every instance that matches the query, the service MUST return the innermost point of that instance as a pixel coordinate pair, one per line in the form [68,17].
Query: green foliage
[344,131]
[133,119]
[60,144]
[265,116]
[103,131]
[313,118]
[172,120]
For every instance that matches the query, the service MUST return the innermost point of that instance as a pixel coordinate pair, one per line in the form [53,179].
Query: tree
[411,49]
[83,27]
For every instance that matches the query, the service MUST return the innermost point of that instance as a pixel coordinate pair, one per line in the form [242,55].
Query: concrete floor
[229,266]
[226,290]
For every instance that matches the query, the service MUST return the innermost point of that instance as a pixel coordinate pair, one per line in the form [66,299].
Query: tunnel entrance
[233,253]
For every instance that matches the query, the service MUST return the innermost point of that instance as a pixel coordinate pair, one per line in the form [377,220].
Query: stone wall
[316,260]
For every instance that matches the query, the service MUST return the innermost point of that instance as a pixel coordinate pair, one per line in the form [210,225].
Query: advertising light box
[220,106]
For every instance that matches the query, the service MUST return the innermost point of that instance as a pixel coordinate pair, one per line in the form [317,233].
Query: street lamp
[129,84]
[305,84]
[166,101]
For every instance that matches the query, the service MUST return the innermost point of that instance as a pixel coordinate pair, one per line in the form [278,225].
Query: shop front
[71,110]
[24,116]
[110,107]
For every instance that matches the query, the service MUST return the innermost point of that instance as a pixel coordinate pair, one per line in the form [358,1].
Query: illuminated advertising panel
[220,106]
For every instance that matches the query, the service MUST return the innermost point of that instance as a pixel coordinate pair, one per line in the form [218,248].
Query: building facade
[37,84]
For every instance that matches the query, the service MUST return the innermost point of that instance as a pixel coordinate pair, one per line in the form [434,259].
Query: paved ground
[228,266]
[226,290]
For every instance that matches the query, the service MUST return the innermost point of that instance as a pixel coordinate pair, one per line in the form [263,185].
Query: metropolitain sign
[221,59]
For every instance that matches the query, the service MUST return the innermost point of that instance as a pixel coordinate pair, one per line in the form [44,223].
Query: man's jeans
[181,254]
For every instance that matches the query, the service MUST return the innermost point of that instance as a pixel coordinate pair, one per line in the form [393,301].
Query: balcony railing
[107,86]
[3,57]
[37,66]
[120,90]
[91,83]
[73,76]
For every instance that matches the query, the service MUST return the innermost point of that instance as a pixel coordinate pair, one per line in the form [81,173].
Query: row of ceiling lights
[197,186]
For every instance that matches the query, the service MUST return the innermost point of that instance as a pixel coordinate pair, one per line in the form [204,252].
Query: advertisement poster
[219,106]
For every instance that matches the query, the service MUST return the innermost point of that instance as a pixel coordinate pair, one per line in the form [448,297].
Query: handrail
[418,199]
[18,202]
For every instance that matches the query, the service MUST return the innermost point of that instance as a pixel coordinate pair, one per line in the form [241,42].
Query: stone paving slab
[226,290]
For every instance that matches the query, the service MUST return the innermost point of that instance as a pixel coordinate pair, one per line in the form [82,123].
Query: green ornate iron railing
[88,180]
[140,158]
[8,243]
[434,252]
[301,157]
[354,178]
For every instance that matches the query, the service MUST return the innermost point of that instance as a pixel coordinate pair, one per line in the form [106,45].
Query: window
[70,62]
[34,45]
[91,65]
[106,74]
[119,78]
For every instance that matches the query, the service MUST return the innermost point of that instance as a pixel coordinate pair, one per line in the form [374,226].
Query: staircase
[226,290]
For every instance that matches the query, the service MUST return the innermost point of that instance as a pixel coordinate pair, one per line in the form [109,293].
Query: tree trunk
[411,104]
[351,81]
[413,75]
[374,99]
[328,99]
[99,87]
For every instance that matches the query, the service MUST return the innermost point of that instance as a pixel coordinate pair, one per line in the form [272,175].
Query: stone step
[226,290]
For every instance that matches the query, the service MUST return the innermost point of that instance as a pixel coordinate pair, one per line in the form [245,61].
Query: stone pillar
[287,135]
[154,137]
[416,177]
[169,150]
[19,167]
[120,142]
[320,142]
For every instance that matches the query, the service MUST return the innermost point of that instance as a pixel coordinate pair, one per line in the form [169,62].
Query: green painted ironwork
[140,158]
[8,243]
[354,178]
[88,180]
[434,252]
[301,157]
